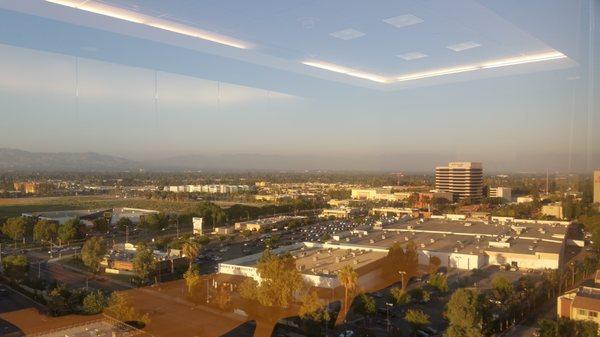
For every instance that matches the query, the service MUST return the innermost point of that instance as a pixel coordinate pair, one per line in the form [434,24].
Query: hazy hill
[19,160]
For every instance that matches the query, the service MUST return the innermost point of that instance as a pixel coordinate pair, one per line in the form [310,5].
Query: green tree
[311,307]
[192,279]
[349,280]
[313,313]
[399,296]
[465,314]
[154,222]
[69,230]
[402,260]
[434,264]
[191,249]
[15,266]
[45,230]
[366,305]
[124,223]
[502,288]
[417,319]
[280,279]
[94,303]
[565,327]
[120,308]
[101,225]
[143,262]
[248,289]
[15,228]
[439,282]
[92,252]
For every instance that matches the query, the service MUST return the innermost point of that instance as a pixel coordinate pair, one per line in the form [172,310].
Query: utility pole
[126,234]
[1,268]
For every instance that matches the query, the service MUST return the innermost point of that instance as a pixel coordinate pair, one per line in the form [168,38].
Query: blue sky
[66,87]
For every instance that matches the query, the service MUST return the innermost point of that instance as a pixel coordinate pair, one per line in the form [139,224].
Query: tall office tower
[597,186]
[463,179]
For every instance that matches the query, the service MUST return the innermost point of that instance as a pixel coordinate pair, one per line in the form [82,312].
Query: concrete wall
[531,261]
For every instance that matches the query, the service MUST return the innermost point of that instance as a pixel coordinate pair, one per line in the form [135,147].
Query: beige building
[501,192]
[379,194]
[582,303]
[555,210]
[524,199]
[340,213]
[468,244]
[463,179]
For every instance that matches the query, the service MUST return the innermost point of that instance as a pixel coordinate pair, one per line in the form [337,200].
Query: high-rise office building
[597,186]
[463,179]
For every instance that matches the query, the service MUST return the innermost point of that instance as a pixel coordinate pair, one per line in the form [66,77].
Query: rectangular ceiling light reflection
[131,16]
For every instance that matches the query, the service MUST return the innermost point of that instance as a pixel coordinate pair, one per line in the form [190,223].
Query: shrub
[94,303]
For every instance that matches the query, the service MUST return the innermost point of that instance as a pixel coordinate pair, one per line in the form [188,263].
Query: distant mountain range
[19,160]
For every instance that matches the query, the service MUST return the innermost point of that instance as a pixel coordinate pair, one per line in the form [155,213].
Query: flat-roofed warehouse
[473,244]
[318,263]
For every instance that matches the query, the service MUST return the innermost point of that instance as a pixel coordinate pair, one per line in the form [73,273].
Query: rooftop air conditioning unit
[422,245]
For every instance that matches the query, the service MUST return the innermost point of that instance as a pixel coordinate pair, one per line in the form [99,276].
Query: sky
[70,88]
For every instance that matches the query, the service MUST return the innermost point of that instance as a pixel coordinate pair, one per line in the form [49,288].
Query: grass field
[14,207]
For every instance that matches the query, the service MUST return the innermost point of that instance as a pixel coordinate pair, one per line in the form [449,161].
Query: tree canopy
[15,228]
[92,252]
[45,230]
[280,279]
[143,261]
[465,314]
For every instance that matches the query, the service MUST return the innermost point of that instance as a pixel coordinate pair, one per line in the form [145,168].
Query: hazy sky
[53,101]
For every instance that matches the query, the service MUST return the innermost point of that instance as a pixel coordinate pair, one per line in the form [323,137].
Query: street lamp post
[387,307]
[402,273]
[207,294]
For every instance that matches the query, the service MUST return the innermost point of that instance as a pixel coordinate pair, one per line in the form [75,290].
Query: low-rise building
[467,244]
[581,303]
[135,215]
[524,199]
[554,210]
[340,213]
[501,192]
[386,194]
[119,260]
[318,263]
[60,217]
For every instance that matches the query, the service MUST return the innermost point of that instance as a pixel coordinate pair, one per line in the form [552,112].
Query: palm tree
[191,249]
[349,279]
